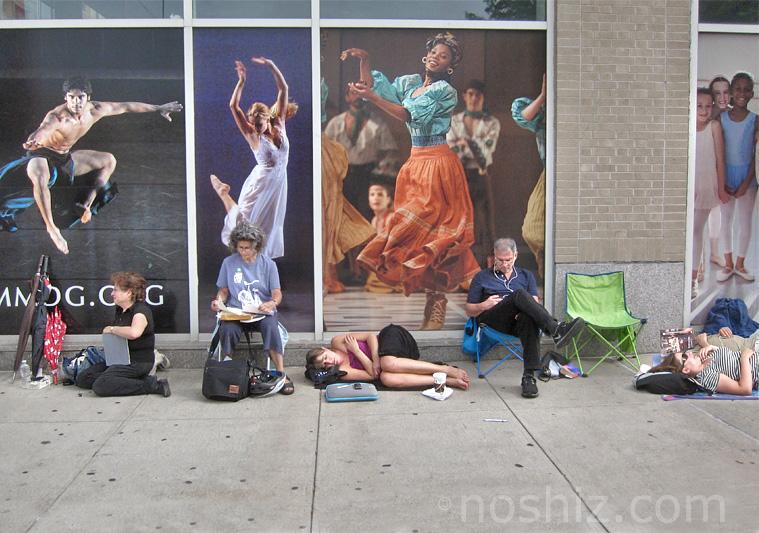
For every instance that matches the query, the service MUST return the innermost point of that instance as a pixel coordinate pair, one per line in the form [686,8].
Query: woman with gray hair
[249,281]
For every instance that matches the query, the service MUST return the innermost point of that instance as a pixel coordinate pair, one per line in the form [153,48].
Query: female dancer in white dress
[263,198]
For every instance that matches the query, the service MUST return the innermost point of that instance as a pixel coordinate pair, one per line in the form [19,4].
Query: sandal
[288,388]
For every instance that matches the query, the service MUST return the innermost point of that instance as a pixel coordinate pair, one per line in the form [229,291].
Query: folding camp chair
[487,338]
[214,349]
[600,300]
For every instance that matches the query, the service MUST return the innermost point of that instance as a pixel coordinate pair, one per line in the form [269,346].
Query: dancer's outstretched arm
[282,88]
[108,109]
[364,65]
[241,120]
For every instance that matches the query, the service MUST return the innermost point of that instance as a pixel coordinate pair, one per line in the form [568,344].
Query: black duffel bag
[226,380]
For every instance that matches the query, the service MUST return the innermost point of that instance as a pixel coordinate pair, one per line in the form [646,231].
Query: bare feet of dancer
[58,240]
[222,190]
[86,214]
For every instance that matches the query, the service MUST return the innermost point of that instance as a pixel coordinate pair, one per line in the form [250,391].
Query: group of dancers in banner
[422,232]
[727,134]
[424,243]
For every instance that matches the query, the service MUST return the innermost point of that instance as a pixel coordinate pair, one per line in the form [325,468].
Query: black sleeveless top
[141,348]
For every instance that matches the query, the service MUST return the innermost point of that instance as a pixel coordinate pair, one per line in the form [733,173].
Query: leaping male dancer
[49,152]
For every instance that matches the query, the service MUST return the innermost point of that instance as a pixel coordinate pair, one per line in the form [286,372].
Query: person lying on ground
[716,369]
[392,356]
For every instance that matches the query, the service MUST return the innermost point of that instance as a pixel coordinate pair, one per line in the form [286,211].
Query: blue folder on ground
[350,392]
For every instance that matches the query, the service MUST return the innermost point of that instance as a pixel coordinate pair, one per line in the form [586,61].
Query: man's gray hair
[503,244]
[246,231]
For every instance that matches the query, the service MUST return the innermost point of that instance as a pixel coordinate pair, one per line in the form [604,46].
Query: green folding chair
[600,300]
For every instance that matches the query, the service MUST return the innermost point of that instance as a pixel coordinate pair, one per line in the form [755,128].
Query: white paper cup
[439,379]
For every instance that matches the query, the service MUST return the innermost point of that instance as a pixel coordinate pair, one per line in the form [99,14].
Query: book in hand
[676,340]
[254,309]
[233,313]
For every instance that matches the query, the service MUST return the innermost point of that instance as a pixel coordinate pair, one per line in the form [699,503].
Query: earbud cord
[506,282]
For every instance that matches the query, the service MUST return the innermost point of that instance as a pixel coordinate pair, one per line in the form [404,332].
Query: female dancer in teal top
[426,242]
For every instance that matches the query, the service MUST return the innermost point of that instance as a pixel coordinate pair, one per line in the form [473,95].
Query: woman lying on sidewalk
[392,356]
[716,369]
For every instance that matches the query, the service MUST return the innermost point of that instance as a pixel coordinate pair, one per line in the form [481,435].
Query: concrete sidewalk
[587,455]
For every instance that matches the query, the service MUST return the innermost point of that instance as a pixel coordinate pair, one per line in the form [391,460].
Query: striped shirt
[727,362]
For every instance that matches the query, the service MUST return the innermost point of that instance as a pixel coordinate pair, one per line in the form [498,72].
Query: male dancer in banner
[473,137]
[49,153]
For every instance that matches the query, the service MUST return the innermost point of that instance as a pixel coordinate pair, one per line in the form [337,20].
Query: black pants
[520,315]
[119,380]
[482,202]
[356,187]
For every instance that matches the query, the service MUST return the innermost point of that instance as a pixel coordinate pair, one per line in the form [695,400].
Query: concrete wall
[622,104]
[648,288]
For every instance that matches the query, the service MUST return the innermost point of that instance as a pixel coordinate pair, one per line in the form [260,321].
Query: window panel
[728,11]
[90,9]
[434,9]
[260,9]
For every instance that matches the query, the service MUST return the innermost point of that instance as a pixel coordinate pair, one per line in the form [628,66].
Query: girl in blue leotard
[740,130]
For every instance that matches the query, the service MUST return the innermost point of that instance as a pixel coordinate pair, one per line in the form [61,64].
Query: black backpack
[226,380]
[322,377]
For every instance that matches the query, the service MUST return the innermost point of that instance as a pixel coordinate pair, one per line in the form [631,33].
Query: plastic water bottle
[25,372]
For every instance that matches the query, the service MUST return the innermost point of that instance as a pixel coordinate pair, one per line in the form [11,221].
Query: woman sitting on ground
[134,322]
[716,369]
[392,356]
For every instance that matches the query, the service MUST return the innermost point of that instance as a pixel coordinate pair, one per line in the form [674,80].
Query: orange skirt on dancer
[426,242]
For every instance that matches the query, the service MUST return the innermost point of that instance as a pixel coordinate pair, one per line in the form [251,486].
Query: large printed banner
[93,170]
[271,187]
[364,147]
[725,260]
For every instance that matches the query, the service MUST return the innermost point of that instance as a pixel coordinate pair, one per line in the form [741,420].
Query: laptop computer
[116,350]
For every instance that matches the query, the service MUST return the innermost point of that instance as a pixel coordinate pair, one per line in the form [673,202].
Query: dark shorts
[397,341]
[56,163]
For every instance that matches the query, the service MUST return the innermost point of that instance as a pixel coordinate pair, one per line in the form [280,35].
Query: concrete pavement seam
[725,422]
[545,453]
[316,460]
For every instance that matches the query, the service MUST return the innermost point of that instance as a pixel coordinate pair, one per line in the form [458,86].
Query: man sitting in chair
[505,298]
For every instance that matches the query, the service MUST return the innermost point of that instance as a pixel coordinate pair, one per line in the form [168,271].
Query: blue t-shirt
[247,280]
[486,283]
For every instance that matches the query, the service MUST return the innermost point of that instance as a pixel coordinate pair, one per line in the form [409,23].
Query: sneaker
[162,362]
[529,386]
[163,388]
[8,223]
[745,274]
[724,274]
[566,330]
